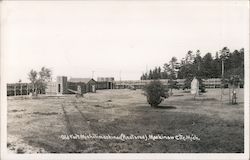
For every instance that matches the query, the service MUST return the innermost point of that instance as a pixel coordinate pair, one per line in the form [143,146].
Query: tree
[198,67]
[155,93]
[216,66]
[155,73]
[39,79]
[207,66]
[159,73]
[171,69]
[187,69]
[164,75]
[144,76]
[44,77]
[32,76]
[192,67]
[202,67]
[235,64]
[150,76]
[189,57]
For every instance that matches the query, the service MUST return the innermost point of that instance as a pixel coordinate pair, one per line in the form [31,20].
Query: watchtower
[62,87]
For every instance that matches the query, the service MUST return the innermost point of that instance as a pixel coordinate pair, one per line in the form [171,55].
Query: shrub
[155,93]
[20,150]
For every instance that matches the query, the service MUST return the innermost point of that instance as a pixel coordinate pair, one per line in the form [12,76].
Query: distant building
[105,79]
[62,85]
[51,88]
[90,84]
[105,82]
[71,86]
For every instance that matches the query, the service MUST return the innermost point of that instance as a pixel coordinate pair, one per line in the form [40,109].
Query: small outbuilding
[90,83]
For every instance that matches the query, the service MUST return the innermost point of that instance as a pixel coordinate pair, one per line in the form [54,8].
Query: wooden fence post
[21,92]
[14,90]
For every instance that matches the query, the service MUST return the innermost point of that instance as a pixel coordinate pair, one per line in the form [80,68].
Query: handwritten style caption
[124,137]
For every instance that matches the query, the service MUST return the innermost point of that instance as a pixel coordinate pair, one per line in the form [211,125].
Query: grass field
[35,125]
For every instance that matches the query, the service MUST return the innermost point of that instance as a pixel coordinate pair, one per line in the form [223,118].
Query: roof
[84,80]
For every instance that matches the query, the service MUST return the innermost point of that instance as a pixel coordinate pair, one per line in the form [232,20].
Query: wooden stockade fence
[209,83]
[15,89]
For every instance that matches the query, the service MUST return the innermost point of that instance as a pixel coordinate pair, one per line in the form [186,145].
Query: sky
[114,39]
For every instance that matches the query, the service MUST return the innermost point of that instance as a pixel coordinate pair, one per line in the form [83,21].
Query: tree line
[202,67]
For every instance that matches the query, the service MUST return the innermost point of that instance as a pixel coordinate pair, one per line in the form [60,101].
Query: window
[59,88]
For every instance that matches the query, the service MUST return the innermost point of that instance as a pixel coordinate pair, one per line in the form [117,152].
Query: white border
[147,156]
[246,96]
[5,155]
[3,90]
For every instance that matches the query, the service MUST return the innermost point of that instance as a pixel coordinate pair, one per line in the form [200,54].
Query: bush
[155,93]
[20,150]
[202,88]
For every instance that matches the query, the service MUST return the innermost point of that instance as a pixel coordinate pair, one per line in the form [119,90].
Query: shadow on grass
[177,95]
[165,107]
[46,113]
[202,99]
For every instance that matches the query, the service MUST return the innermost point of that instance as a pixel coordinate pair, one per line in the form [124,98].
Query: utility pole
[223,58]
[120,79]
[222,75]
[120,75]
[93,74]
[21,87]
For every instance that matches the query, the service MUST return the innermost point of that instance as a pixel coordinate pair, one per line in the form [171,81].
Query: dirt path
[86,125]
[71,131]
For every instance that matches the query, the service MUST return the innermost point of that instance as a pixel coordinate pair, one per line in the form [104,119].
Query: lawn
[35,125]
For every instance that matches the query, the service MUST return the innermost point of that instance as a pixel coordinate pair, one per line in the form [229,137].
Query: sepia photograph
[159,79]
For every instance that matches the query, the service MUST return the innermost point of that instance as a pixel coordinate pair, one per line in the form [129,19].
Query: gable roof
[84,80]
